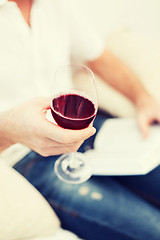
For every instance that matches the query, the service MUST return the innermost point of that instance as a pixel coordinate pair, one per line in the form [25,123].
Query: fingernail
[144,135]
[93,131]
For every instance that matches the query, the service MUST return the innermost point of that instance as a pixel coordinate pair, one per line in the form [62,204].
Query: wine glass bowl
[74,106]
[73,111]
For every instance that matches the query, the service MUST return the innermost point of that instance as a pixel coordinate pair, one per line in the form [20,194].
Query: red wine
[73,111]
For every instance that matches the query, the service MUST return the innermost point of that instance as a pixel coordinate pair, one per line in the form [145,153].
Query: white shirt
[29,57]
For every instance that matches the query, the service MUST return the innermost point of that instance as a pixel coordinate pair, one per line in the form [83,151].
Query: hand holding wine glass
[27,124]
[74,107]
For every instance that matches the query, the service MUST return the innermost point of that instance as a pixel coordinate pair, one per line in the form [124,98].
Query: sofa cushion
[24,213]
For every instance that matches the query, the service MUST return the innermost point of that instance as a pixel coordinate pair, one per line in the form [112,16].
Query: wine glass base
[77,171]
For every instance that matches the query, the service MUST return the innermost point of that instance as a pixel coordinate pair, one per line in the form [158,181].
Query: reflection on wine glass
[74,106]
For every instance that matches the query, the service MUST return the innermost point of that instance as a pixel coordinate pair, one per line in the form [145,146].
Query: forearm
[120,77]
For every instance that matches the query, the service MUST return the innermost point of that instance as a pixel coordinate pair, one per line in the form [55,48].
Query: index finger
[143,124]
[66,136]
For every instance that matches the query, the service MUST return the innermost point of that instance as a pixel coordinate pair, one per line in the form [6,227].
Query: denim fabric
[103,208]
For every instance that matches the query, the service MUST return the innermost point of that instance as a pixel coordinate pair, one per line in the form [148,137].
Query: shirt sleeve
[86,43]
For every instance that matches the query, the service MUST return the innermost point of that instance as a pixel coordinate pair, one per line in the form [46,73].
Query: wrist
[5,135]
[144,100]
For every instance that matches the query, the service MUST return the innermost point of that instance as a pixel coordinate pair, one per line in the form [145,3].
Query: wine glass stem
[73,162]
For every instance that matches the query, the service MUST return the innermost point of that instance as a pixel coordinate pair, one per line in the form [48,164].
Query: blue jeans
[103,208]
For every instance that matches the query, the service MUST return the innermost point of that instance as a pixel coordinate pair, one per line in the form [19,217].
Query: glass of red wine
[74,106]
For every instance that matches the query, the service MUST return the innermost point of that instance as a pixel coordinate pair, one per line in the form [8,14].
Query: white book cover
[119,149]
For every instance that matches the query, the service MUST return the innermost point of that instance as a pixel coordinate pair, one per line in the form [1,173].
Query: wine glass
[74,106]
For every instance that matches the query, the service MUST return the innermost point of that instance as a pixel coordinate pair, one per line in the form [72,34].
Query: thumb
[43,103]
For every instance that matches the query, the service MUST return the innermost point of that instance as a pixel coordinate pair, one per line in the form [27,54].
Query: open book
[121,150]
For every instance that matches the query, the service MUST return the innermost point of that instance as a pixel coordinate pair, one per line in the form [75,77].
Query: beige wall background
[141,16]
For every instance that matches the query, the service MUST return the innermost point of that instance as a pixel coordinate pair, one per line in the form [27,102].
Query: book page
[119,149]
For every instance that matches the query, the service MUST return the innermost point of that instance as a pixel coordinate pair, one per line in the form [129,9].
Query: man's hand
[148,112]
[28,125]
